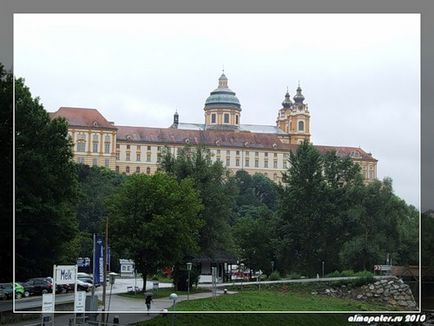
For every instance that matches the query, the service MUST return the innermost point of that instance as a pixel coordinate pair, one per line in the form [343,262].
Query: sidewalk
[129,310]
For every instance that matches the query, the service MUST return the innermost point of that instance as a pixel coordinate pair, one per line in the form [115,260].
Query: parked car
[83,286]
[7,292]
[38,286]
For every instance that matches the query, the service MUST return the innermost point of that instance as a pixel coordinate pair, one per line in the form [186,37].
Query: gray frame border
[425,7]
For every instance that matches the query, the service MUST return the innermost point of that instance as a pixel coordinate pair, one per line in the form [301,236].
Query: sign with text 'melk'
[65,274]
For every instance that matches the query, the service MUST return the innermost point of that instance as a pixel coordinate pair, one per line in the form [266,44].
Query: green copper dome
[223,95]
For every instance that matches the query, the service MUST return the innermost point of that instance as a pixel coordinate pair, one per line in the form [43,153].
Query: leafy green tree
[385,225]
[154,220]
[6,101]
[45,188]
[216,192]
[254,233]
[300,211]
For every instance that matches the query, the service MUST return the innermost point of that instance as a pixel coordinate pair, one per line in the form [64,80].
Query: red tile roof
[83,117]
[208,137]
[91,118]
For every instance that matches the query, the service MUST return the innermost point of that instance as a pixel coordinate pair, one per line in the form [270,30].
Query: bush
[180,276]
[294,276]
[274,276]
[347,273]
[334,274]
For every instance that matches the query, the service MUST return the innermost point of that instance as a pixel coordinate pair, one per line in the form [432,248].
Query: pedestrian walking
[148,300]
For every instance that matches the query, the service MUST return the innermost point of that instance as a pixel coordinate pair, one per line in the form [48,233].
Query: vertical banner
[98,268]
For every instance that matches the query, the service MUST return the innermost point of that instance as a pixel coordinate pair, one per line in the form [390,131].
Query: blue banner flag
[98,268]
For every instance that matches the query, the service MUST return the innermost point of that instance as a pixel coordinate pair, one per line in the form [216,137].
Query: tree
[216,192]
[254,233]
[45,188]
[300,211]
[154,220]
[6,101]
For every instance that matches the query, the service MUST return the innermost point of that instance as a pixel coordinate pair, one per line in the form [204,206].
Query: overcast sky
[360,73]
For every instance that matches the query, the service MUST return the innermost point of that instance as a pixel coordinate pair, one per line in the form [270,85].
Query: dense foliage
[45,189]
[6,92]
[215,192]
[328,215]
[154,220]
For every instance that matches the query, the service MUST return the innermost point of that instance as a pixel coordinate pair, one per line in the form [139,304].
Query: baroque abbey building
[253,148]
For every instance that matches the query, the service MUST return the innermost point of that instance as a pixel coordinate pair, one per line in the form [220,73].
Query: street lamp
[188,280]
[173,297]
[112,276]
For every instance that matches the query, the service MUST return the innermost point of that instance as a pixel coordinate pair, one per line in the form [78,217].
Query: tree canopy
[6,101]
[45,188]
[154,220]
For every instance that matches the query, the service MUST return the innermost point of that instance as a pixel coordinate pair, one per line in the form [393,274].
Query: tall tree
[45,189]
[154,220]
[215,190]
[6,101]
[300,211]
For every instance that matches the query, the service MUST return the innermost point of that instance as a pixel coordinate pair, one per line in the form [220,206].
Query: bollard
[225,291]
[116,319]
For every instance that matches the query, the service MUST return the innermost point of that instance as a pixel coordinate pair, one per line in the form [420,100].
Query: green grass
[161,293]
[272,300]
[248,320]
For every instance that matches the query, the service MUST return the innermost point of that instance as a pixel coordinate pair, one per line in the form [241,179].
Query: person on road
[148,300]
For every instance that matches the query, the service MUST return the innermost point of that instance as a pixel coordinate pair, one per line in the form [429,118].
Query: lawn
[161,293]
[273,300]
[247,320]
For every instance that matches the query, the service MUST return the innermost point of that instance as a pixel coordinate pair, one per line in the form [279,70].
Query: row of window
[95,137]
[256,164]
[225,118]
[138,147]
[138,157]
[95,161]
[138,170]
[81,147]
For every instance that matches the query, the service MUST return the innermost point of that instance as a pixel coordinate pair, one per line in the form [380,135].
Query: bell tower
[294,118]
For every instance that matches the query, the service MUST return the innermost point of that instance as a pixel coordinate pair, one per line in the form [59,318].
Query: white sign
[47,302]
[65,274]
[80,301]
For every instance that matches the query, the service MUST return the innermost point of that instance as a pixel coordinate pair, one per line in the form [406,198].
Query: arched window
[226,118]
[148,170]
[301,126]
[213,119]
[127,169]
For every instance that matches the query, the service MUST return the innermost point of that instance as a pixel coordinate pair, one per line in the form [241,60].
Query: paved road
[130,310]
[120,286]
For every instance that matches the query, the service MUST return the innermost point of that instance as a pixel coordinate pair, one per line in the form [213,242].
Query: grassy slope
[268,300]
[248,320]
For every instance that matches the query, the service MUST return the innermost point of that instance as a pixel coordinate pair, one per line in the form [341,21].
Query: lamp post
[272,266]
[112,276]
[189,265]
[173,297]
[323,268]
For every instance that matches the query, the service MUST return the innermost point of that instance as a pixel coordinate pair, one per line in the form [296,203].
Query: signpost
[64,274]
[47,308]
